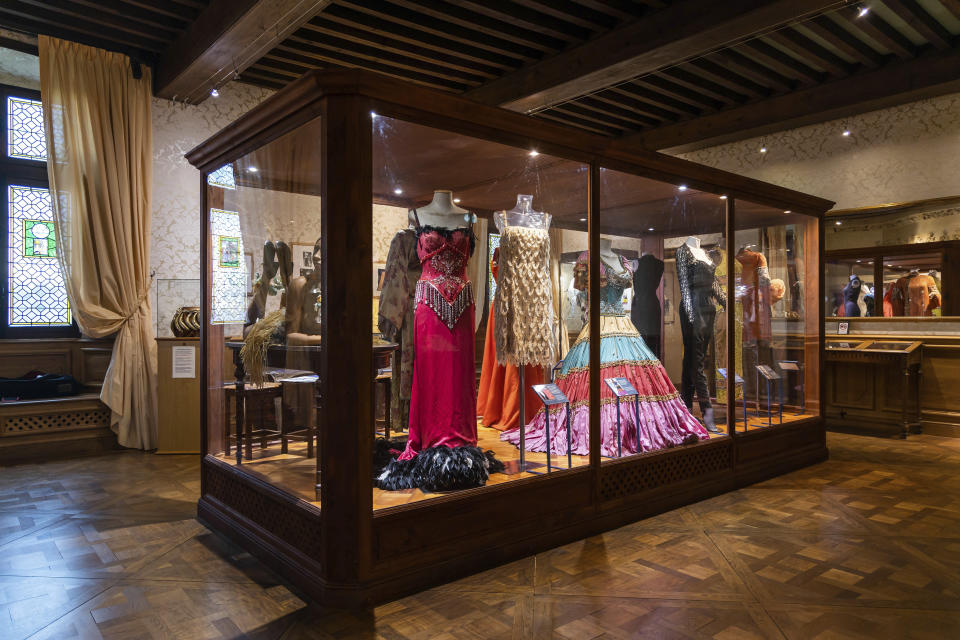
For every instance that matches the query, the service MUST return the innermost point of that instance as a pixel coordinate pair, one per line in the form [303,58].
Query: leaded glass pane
[25,137]
[222,177]
[38,297]
[229,270]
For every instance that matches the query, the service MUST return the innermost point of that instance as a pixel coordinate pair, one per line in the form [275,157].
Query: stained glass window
[229,270]
[25,137]
[37,293]
[222,177]
[493,243]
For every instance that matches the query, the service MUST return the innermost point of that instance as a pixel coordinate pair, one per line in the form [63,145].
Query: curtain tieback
[143,296]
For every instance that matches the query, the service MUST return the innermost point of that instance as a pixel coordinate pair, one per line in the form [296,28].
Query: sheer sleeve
[684,262]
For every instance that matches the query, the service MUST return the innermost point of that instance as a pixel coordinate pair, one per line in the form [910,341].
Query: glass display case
[463,333]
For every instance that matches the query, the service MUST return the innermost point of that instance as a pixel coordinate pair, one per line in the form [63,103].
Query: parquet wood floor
[863,546]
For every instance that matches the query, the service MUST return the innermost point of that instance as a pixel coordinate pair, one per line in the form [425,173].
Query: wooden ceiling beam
[526,18]
[878,29]
[363,39]
[748,68]
[380,28]
[226,38]
[619,9]
[656,99]
[845,42]
[921,22]
[573,12]
[677,92]
[562,114]
[806,49]
[789,67]
[953,6]
[430,27]
[614,112]
[685,78]
[932,74]
[626,100]
[726,78]
[682,31]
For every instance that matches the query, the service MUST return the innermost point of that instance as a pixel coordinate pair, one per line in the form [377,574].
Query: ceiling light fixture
[650,229]
[583,219]
[534,153]
[252,169]
[864,10]
[838,223]
[398,191]
[787,211]
[456,201]
[723,197]
[373,114]
[682,187]
[214,93]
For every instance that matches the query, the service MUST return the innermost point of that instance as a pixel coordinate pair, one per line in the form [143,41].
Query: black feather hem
[440,469]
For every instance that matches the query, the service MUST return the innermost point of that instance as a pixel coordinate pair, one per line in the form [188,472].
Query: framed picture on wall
[302,256]
[379,268]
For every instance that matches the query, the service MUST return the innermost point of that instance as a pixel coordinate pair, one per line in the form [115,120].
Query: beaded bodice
[613,282]
[443,284]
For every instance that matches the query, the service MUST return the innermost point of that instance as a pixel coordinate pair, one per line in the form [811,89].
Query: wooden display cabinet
[340,550]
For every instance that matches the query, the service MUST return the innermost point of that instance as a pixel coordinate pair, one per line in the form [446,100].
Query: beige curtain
[477,270]
[100,148]
[556,251]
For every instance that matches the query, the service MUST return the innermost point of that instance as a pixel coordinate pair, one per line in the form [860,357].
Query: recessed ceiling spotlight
[583,219]
[373,114]
[864,10]
[650,229]
[252,169]
[787,211]
[456,201]
[846,132]
[763,149]
[838,223]
[398,191]
[534,153]
[858,260]
[214,93]
[723,197]
[682,187]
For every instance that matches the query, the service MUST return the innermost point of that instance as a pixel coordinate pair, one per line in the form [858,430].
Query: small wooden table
[905,355]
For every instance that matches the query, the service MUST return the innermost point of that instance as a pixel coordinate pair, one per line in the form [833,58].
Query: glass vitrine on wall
[433,329]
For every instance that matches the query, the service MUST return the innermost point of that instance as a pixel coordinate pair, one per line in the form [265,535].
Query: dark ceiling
[766,79]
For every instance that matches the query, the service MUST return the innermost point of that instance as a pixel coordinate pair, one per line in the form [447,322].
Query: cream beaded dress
[523,307]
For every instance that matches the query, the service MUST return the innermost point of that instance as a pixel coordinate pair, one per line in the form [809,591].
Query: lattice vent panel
[56,421]
[280,518]
[626,480]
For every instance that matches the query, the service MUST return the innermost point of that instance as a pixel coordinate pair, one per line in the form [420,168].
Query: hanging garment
[443,400]
[756,300]
[720,333]
[700,293]
[645,311]
[851,296]
[922,295]
[664,421]
[498,400]
[523,308]
[395,320]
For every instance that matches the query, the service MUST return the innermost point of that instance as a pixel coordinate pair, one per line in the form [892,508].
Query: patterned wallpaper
[899,154]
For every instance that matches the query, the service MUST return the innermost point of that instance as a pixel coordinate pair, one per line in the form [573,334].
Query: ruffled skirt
[661,420]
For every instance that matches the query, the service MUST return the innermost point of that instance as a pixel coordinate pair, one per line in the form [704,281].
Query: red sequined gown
[443,401]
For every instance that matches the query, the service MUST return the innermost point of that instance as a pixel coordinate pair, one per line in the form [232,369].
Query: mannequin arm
[684,262]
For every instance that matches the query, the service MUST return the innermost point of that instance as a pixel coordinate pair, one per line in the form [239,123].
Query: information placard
[736,378]
[184,362]
[789,365]
[550,394]
[621,387]
[767,372]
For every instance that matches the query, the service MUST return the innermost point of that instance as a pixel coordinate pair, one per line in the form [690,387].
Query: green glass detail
[39,239]
[229,252]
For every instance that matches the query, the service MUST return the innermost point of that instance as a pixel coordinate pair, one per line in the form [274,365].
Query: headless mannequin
[302,317]
[522,215]
[608,255]
[443,213]
[851,296]
[698,333]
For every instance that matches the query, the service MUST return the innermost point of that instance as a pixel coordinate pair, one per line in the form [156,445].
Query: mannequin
[645,312]
[660,420]
[851,297]
[923,296]
[441,212]
[443,397]
[523,308]
[757,316]
[303,314]
[699,295]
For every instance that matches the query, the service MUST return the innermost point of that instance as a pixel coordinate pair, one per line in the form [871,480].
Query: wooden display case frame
[349,554]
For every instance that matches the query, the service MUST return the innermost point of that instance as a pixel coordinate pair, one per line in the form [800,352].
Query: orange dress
[498,400]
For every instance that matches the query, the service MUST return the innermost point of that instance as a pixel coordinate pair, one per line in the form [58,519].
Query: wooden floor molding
[864,545]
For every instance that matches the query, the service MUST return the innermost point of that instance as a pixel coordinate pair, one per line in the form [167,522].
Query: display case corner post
[345,436]
[730,232]
[593,298]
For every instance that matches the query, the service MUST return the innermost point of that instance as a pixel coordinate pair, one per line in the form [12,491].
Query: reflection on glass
[850,291]
[912,285]
[466,223]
